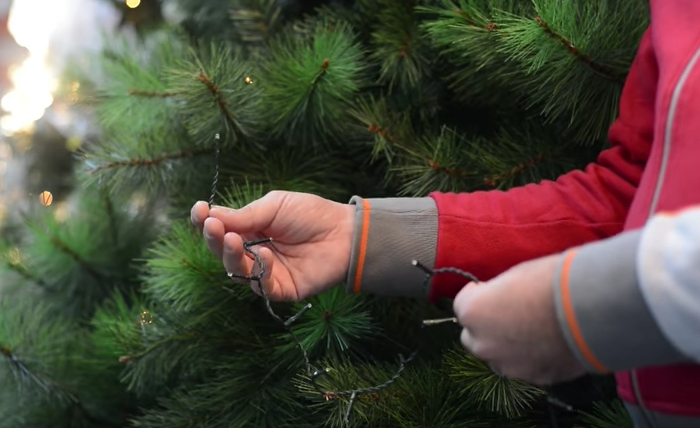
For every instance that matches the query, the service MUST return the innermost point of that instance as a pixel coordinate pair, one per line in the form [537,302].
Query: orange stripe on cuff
[363,245]
[571,322]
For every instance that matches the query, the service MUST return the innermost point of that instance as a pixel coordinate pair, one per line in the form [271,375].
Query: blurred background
[40,127]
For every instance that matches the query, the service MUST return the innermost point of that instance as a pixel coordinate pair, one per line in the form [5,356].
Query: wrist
[346,229]
[388,234]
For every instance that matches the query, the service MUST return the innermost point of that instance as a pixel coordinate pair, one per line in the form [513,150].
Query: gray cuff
[602,312]
[389,234]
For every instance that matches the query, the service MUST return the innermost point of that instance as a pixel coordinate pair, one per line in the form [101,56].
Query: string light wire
[312,372]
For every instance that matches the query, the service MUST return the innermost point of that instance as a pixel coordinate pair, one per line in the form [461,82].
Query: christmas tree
[115,313]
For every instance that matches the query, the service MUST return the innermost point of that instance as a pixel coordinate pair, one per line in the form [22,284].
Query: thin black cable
[315,373]
[217,149]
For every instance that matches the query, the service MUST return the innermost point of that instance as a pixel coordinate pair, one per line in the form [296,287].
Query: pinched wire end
[421,266]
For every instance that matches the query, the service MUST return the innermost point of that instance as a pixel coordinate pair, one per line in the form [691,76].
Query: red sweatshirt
[628,293]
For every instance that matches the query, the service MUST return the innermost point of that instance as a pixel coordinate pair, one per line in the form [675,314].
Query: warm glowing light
[146,318]
[61,212]
[133,4]
[14,256]
[248,80]
[33,82]
[46,198]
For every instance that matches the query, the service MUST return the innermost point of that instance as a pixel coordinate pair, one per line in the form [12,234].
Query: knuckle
[274,194]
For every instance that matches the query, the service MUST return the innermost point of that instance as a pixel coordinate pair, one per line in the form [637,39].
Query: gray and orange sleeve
[634,300]
[389,234]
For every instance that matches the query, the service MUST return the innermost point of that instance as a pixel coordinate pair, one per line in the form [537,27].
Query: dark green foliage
[114,311]
[510,398]
[606,415]
[309,82]
[52,375]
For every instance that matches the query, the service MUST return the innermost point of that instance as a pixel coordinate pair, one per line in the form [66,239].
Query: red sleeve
[486,233]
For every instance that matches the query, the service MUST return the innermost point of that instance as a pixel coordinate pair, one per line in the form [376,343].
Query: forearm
[486,233]
[634,300]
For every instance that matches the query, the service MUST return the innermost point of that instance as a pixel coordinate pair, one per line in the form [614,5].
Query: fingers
[268,282]
[234,258]
[252,218]
[198,214]
[222,228]
[213,231]
[462,303]
[466,339]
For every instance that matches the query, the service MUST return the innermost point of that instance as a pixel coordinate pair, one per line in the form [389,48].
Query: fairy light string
[314,373]
[217,151]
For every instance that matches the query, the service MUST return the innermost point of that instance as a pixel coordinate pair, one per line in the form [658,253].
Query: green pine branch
[465,35]
[566,62]
[343,375]
[391,133]
[518,156]
[161,114]
[51,377]
[427,396]
[435,163]
[575,57]
[606,415]
[182,273]
[146,164]
[13,264]
[195,313]
[256,21]
[309,84]
[218,90]
[336,324]
[86,248]
[292,168]
[225,398]
[129,92]
[492,392]
[400,46]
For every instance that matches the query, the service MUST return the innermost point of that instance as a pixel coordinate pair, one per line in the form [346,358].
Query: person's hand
[510,322]
[312,240]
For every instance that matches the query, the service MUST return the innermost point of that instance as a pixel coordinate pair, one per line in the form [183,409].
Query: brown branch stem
[435,166]
[432,163]
[576,52]
[218,97]
[19,269]
[568,44]
[495,180]
[136,162]
[321,72]
[150,94]
[75,256]
[75,401]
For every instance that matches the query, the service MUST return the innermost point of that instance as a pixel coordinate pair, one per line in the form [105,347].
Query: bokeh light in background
[133,3]
[35,115]
[46,198]
[31,23]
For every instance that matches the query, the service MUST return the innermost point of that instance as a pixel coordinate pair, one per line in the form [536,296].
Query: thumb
[252,218]
[462,301]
